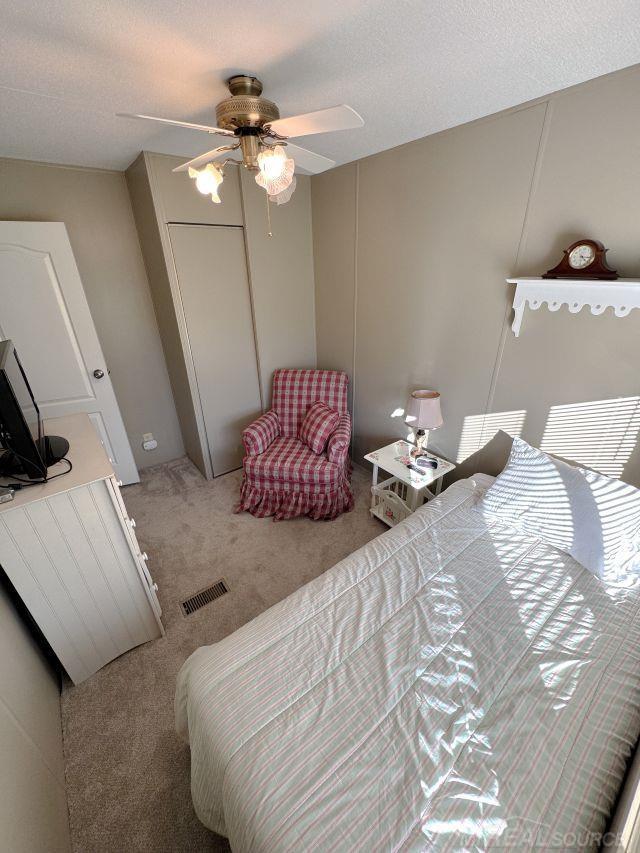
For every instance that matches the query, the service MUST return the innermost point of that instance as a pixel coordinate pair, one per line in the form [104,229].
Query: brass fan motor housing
[245,107]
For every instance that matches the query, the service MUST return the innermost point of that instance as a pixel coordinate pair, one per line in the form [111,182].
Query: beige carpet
[127,772]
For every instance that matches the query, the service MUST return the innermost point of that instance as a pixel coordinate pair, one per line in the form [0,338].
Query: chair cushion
[289,460]
[315,430]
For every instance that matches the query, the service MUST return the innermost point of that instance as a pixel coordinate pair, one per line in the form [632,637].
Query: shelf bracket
[623,295]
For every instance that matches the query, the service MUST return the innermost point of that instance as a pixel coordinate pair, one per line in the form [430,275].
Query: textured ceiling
[409,67]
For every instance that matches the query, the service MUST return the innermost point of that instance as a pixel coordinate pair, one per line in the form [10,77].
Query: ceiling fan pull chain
[269,232]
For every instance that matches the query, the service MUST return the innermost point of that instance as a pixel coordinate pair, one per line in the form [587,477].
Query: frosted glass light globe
[272,163]
[207,181]
[273,186]
[284,195]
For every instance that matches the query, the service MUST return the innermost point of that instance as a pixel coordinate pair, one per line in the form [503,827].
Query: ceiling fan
[256,131]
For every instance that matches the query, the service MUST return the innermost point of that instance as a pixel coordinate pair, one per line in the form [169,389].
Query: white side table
[393,499]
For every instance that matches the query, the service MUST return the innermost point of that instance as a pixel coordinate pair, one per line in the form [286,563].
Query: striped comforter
[452,685]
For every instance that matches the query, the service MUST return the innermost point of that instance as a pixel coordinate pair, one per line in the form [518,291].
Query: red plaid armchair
[281,475]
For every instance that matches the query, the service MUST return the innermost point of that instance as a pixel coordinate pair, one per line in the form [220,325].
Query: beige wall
[155,242]
[95,207]
[420,240]
[282,280]
[33,805]
[334,242]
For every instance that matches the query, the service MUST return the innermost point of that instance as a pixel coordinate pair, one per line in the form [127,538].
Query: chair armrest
[340,440]
[258,436]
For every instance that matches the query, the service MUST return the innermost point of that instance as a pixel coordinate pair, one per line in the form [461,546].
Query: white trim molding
[622,295]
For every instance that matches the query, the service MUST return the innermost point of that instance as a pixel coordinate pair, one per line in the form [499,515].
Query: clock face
[581,256]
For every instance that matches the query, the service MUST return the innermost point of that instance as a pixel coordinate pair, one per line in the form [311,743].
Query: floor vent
[203,597]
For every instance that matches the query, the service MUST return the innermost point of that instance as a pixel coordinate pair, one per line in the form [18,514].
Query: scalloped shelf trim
[623,295]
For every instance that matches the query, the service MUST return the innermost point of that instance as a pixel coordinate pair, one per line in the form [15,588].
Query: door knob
[98,373]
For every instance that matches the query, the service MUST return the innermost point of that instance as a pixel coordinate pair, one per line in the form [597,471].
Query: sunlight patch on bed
[480,829]
[601,434]
[562,637]
[478,430]
[450,692]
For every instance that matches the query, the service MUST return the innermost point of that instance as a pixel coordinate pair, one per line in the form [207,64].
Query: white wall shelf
[622,295]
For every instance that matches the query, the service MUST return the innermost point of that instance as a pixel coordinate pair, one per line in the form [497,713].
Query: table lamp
[423,414]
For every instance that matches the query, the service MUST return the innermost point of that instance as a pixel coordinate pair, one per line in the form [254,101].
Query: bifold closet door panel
[211,268]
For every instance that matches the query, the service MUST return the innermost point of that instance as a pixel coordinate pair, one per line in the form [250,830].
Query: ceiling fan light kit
[261,140]
[276,170]
[284,196]
[207,181]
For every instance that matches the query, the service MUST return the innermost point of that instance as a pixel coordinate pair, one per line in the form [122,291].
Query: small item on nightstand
[422,465]
[412,467]
[426,462]
[421,469]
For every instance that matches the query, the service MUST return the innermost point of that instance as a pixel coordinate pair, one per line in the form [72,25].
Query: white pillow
[593,518]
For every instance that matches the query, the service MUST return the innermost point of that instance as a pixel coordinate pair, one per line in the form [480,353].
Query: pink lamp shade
[423,410]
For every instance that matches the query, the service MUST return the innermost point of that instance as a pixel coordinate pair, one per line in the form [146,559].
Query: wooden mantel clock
[584,259]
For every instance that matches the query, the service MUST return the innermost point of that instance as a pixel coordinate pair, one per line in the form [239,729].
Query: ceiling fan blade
[204,158]
[320,121]
[175,123]
[307,160]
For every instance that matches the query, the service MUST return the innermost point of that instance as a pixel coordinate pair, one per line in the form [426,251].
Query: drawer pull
[132,522]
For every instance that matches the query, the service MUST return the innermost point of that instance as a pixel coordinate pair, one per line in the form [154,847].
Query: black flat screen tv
[27,451]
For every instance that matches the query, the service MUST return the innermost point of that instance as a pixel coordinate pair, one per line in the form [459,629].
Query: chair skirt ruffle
[288,500]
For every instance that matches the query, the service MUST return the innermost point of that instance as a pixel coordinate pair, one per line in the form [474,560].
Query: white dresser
[70,550]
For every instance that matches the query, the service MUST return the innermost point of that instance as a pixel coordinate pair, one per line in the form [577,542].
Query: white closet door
[211,268]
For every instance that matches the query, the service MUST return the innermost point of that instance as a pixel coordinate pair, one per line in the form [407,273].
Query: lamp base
[422,437]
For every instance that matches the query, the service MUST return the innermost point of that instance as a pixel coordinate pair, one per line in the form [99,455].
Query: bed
[454,684]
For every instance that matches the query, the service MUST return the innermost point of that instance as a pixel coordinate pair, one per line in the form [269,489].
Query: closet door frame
[172,275]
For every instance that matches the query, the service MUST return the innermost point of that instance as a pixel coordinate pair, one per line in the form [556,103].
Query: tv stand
[52,449]
[70,550]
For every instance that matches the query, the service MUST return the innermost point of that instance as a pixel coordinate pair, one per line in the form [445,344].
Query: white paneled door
[44,311]
[214,289]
